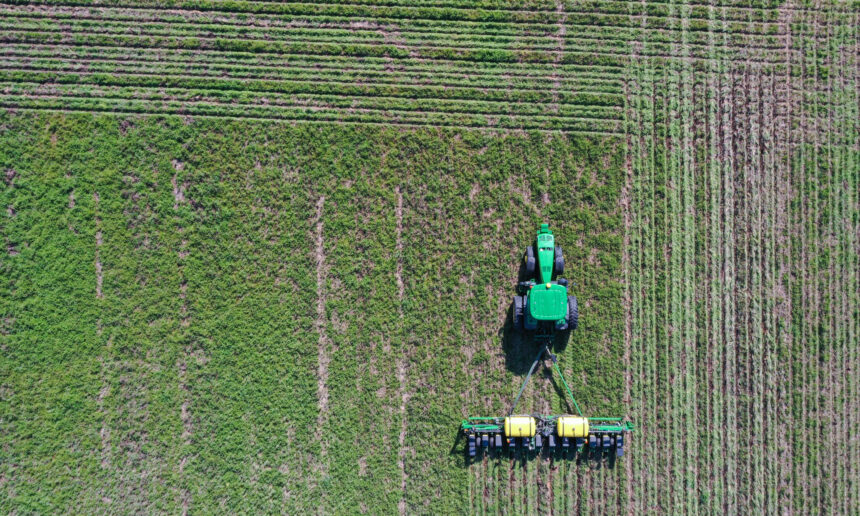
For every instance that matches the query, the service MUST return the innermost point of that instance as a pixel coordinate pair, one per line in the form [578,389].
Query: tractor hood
[545,252]
[548,302]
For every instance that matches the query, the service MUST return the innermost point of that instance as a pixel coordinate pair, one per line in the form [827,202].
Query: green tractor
[542,303]
[544,307]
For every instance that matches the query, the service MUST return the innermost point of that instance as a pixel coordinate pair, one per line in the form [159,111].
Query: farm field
[237,236]
[241,348]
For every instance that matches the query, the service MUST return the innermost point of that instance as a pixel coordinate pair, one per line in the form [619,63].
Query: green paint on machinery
[543,307]
[542,302]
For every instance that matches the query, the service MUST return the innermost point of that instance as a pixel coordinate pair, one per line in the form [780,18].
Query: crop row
[81,101]
[310,34]
[324,62]
[736,9]
[262,46]
[514,100]
[220,21]
[733,313]
[584,54]
[547,87]
[528,41]
[382,104]
[697,18]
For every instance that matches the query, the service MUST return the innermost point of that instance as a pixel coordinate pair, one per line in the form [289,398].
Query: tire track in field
[403,355]
[559,55]
[830,239]
[844,229]
[323,342]
[179,188]
[677,405]
[800,234]
[713,367]
[784,306]
[624,202]
[853,159]
[636,206]
[799,230]
[814,286]
[688,224]
[851,251]
[309,105]
[98,262]
[770,295]
[325,61]
[104,432]
[730,386]
[844,364]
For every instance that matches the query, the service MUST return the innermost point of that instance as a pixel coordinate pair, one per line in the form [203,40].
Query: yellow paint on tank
[572,426]
[520,426]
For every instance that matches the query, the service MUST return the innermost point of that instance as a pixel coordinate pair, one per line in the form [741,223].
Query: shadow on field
[521,349]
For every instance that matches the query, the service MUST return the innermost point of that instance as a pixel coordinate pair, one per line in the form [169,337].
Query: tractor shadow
[521,349]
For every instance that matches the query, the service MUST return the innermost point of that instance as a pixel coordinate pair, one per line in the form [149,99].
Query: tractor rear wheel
[530,262]
[559,261]
[572,312]
[517,312]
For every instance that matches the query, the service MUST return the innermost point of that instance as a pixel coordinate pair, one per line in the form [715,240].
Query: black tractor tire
[558,266]
[572,313]
[518,313]
[530,261]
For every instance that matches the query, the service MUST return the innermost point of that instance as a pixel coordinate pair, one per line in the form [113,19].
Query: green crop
[218,374]
[257,257]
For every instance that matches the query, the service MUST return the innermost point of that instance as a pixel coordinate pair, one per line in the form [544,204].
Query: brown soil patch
[320,324]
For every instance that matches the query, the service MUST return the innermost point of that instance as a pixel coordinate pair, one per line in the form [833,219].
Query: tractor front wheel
[559,261]
[517,313]
[530,262]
